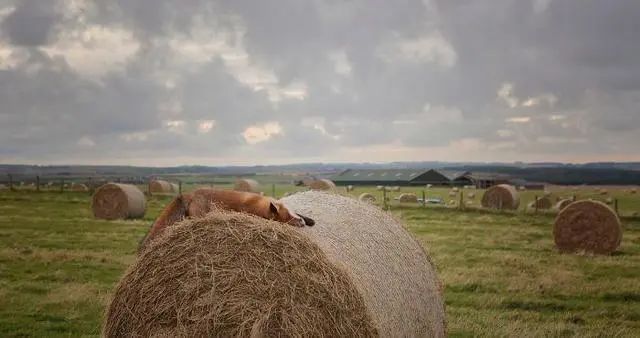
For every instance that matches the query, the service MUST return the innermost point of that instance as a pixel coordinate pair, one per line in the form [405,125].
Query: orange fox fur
[202,201]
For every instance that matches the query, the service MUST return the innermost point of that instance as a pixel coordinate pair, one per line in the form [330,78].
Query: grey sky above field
[155,82]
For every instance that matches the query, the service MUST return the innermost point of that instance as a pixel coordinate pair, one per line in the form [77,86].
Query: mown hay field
[501,272]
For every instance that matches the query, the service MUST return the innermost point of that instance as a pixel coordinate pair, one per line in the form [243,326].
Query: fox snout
[299,220]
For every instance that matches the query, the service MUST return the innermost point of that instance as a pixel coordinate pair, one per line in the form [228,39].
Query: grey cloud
[32,23]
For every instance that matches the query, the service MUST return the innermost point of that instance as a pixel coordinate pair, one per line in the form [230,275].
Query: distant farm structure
[428,177]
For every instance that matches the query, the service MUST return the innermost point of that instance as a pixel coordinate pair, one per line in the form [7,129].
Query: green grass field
[501,273]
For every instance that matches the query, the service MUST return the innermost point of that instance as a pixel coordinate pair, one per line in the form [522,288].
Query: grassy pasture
[501,273]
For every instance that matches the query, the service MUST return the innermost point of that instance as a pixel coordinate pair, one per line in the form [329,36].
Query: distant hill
[556,173]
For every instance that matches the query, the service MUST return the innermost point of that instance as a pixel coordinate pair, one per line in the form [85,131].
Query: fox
[202,201]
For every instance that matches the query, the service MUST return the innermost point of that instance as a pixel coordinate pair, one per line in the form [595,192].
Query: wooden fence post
[62,185]
[615,206]
[461,203]
[10,182]
[424,199]
[38,183]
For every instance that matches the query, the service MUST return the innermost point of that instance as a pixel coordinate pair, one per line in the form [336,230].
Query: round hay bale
[349,188]
[588,226]
[455,189]
[322,184]
[247,185]
[118,201]
[453,194]
[162,187]
[429,186]
[501,196]
[79,187]
[603,191]
[542,203]
[522,188]
[633,191]
[408,198]
[367,197]
[563,204]
[357,272]
[609,200]
[380,188]
[471,195]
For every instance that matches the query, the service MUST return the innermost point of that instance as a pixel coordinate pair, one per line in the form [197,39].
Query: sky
[164,83]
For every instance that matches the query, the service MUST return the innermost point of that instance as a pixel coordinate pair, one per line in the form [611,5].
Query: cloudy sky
[157,82]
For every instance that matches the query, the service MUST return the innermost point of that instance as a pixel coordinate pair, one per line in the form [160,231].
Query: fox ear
[273,207]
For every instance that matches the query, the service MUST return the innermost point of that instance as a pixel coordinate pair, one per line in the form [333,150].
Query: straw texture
[118,201]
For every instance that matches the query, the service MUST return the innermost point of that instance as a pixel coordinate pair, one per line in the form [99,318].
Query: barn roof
[364,175]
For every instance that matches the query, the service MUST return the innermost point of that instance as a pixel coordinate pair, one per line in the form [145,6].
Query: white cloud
[557,117]
[261,133]
[318,123]
[505,94]
[205,126]
[341,64]
[175,126]
[432,48]
[549,99]
[523,119]
[86,141]
[95,50]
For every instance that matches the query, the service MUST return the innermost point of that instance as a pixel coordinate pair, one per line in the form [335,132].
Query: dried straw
[367,197]
[118,201]
[502,196]
[408,198]
[247,185]
[587,226]
[322,184]
[562,204]
[357,272]
[162,187]
[542,203]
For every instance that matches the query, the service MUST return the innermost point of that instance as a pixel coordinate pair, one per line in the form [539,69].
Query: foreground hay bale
[357,272]
[367,197]
[322,184]
[408,198]
[588,226]
[542,203]
[118,201]
[562,204]
[247,185]
[79,187]
[502,196]
[162,187]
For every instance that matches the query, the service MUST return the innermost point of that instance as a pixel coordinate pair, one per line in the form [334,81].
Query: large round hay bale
[367,197]
[247,185]
[408,198]
[563,204]
[322,184]
[501,196]
[118,201]
[588,226]
[79,187]
[541,203]
[357,272]
[162,187]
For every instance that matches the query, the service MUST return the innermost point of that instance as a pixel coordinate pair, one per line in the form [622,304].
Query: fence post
[384,198]
[615,206]
[461,203]
[38,183]
[62,185]
[535,204]
[424,199]
[10,182]
[149,188]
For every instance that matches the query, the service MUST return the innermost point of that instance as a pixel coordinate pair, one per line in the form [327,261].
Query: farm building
[418,177]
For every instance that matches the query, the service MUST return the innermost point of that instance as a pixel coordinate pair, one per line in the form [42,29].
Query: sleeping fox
[202,201]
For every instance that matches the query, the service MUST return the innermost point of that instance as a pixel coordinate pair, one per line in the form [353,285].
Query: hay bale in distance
[118,201]
[408,198]
[588,226]
[522,188]
[380,188]
[562,204]
[357,273]
[394,188]
[471,195]
[162,187]
[349,188]
[542,203]
[633,191]
[429,186]
[609,200]
[501,196]
[367,197]
[247,185]
[453,194]
[603,191]
[79,187]
[322,184]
